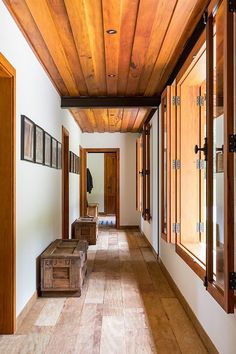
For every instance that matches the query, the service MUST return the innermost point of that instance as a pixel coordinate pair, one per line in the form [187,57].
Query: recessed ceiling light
[111,31]
[111,75]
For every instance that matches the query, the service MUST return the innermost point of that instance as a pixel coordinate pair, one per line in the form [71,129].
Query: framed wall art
[47,150]
[71,161]
[39,145]
[59,156]
[27,139]
[54,153]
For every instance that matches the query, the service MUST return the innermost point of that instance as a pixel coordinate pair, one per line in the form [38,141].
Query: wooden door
[110,183]
[7,193]
[65,183]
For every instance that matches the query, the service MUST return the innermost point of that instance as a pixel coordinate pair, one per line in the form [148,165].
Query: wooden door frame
[84,178]
[8,203]
[65,184]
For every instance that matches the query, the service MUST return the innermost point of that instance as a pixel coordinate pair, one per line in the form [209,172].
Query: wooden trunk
[85,229]
[63,268]
[92,210]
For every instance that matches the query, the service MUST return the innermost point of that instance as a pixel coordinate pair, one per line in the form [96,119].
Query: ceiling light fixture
[111,31]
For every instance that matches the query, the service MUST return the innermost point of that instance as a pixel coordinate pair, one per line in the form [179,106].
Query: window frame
[225,297]
[146,211]
[167,99]
[182,251]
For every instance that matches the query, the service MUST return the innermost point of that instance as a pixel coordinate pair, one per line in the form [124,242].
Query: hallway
[126,306]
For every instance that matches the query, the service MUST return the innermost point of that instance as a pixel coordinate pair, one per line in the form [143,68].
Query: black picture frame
[71,161]
[47,149]
[74,166]
[27,139]
[59,156]
[54,153]
[38,145]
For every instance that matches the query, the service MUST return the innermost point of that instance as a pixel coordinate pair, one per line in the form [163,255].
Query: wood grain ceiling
[70,39]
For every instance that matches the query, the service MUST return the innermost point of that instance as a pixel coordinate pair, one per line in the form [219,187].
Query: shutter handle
[204,149]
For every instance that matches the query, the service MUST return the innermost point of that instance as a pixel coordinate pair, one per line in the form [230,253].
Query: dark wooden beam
[110,102]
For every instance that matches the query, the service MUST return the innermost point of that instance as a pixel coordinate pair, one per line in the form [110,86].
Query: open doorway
[101,171]
[7,192]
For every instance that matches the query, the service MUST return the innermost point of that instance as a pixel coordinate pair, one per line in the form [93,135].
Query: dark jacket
[89,181]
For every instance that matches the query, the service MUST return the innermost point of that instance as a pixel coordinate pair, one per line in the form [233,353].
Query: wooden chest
[85,229]
[63,268]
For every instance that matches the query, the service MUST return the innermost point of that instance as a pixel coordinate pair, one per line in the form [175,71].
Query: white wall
[220,326]
[127,144]
[95,163]
[150,229]
[38,188]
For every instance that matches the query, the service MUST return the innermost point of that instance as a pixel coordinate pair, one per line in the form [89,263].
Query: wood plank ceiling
[70,39]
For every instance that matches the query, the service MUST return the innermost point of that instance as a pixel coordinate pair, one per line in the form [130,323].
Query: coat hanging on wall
[89,181]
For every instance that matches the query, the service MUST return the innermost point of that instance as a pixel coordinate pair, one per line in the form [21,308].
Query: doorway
[100,174]
[7,193]
[65,183]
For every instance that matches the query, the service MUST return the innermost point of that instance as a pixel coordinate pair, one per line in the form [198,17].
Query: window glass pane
[218,148]
[193,166]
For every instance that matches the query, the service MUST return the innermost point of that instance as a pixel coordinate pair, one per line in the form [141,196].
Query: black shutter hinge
[147,131]
[147,172]
[232,143]
[232,280]
[232,5]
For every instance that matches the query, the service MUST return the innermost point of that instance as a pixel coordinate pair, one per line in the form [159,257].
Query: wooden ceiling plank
[60,18]
[190,12]
[94,22]
[132,119]
[142,115]
[90,116]
[145,21]
[162,20]
[28,27]
[115,118]
[129,13]
[99,115]
[86,118]
[125,120]
[187,33]
[76,13]
[78,119]
[111,20]
[42,15]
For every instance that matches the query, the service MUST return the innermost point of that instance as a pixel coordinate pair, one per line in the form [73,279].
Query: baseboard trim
[131,227]
[149,243]
[20,318]
[200,330]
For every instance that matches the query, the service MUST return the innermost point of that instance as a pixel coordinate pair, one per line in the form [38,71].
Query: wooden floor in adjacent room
[126,306]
